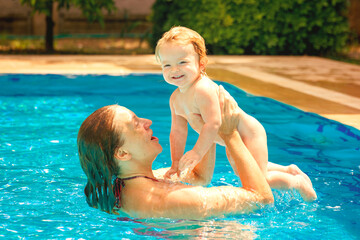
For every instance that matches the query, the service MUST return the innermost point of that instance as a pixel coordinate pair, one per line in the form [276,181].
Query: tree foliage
[91,9]
[258,26]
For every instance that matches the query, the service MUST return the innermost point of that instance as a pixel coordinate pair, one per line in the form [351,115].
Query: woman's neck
[131,170]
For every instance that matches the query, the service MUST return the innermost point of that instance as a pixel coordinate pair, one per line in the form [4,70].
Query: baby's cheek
[166,73]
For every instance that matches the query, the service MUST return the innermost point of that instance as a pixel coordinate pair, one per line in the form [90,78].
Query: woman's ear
[122,155]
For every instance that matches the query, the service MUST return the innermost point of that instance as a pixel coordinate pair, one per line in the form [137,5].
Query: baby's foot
[306,191]
[295,170]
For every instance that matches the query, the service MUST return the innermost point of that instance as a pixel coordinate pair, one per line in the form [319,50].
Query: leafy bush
[258,26]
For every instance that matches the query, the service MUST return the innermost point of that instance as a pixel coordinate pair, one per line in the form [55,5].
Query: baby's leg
[282,180]
[291,169]
[257,146]
[258,150]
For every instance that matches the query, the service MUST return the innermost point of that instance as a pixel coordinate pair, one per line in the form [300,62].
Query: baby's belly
[197,123]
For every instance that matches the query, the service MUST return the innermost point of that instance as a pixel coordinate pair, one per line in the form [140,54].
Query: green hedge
[258,26]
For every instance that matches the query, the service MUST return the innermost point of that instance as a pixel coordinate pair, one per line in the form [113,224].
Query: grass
[350,54]
[116,46]
[122,46]
[343,58]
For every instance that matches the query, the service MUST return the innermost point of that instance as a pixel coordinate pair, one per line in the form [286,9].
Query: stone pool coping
[326,87]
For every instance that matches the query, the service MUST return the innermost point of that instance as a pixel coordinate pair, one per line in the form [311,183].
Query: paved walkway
[326,87]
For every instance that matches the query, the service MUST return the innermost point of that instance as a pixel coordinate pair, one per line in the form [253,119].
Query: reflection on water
[187,229]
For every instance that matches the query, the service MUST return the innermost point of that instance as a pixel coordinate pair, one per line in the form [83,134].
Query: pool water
[41,183]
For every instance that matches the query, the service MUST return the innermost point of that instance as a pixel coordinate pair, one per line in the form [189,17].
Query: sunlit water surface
[41,184]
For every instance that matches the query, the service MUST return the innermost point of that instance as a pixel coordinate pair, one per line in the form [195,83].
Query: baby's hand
[189,160]
[173,170]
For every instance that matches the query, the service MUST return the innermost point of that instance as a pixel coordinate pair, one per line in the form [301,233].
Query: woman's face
[139,139]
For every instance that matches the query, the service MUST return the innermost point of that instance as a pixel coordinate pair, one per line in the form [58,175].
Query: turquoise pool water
[41,183]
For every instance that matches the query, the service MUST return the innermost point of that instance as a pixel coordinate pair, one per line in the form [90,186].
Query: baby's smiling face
[180,64]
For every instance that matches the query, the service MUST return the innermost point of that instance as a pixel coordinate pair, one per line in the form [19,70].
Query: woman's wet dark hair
[98,139]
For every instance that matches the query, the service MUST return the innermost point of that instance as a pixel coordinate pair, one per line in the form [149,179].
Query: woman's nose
[147,123]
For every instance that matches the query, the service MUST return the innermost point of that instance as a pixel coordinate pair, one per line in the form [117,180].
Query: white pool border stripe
[318,92]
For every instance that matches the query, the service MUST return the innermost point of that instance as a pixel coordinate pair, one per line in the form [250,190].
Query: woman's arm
[190,202]
[180,201]
[249,171]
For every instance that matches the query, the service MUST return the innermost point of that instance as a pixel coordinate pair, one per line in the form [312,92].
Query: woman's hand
[230,115]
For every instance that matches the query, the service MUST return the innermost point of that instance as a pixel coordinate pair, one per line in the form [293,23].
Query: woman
[114,142]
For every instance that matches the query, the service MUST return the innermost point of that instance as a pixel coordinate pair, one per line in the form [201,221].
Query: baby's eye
[183,62]
[166,65]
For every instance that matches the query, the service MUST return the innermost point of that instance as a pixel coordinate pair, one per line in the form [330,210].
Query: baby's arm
[178,135]
[208,103]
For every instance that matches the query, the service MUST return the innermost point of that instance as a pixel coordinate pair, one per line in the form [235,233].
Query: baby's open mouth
[177,77]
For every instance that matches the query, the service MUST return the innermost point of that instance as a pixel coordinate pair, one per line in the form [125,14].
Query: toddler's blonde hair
[183,35]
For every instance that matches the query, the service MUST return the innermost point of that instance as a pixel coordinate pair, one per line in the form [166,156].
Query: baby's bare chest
[185,106]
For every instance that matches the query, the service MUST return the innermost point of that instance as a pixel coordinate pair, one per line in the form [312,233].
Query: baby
[182,54]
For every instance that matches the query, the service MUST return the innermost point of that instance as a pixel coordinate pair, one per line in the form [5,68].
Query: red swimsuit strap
[119,183]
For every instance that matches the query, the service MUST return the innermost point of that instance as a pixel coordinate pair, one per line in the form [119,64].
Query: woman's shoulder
[136,194]
[150,198]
